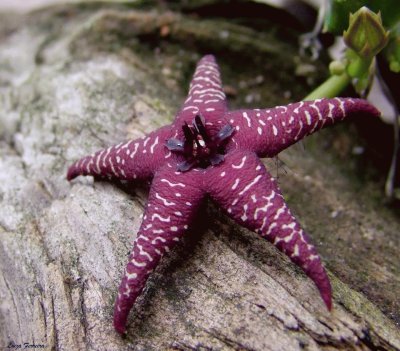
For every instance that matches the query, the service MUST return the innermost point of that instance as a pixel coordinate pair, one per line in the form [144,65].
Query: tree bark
[76,78]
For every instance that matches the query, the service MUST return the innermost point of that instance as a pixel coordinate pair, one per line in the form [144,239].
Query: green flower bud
[366,34]
[393,54]
[336,68]
[394,66]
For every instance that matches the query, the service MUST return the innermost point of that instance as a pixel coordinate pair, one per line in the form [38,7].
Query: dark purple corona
[198,148]
[210,151]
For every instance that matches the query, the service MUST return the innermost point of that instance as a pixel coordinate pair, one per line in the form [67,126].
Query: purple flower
[209,151]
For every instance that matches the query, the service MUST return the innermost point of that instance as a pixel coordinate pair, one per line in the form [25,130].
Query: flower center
[198,148]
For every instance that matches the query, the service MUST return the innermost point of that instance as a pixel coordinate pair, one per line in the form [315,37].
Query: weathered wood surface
[74,79]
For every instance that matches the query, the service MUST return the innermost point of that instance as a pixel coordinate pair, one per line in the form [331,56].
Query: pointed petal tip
[71,174]
[120,322]
[208,58]
[327,298]
[324,286]
[366,107]
[318,275]
[120,329]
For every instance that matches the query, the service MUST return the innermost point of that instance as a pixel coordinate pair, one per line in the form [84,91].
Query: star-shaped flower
[209,151]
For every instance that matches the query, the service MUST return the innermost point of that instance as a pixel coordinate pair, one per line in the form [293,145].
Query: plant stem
[330,88]
[358,66]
